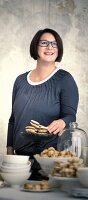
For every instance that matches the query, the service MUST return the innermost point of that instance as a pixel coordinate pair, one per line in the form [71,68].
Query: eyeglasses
[45,43]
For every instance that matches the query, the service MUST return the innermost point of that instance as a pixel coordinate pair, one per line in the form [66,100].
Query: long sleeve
[11,120]
[69,99]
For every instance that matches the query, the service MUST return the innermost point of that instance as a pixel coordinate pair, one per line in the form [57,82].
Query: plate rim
[34,190]
[24,133]
[53,158]
[61,178]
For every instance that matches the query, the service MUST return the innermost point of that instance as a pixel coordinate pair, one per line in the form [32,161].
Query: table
[12,193]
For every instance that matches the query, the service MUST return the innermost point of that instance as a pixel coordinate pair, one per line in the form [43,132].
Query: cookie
[28,186]
[34,123]
[30,129]
[42,129]
[45,127]
[37,186]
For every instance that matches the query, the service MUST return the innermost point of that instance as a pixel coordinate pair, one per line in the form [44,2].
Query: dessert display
[67,169]
[36,128]
[52,152]
[43,185]
[59,163]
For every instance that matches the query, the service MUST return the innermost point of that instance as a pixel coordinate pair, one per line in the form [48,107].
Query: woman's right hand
[56,127]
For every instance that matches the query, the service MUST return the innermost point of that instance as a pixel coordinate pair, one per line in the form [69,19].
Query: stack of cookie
[67,169]
[37,186]
[36,128]
[52,152]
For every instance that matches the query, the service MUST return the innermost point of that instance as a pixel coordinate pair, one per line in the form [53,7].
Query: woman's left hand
[57,126]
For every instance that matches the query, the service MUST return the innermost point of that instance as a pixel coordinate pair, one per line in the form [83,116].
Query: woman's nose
[49,46]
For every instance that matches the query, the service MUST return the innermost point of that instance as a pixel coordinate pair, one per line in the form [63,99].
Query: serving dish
[66,179]
[35,190]
[47,163]
[36,186]
[66,183]
[25,134]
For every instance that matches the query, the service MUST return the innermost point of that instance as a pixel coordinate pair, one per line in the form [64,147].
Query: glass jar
[73,139]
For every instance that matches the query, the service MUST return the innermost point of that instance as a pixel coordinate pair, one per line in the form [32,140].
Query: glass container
[73,139]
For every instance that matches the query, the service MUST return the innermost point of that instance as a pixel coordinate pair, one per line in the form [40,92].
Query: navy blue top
[55,98]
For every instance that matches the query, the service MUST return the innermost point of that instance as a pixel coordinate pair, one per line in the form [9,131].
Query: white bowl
[15,170]
[15,159]
[16,166]
[47,163]
[82,174]
[15,178]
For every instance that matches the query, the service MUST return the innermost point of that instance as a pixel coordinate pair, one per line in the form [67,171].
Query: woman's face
[47,51]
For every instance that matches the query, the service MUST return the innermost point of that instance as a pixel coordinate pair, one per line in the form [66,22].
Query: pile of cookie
[36,128]
[52,152]
[37,186]
[67,169]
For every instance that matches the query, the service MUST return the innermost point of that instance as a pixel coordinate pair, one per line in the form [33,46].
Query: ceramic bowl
[15,178]
[16,169]
[15,159]
[15,166]
[82,174]
[47,163]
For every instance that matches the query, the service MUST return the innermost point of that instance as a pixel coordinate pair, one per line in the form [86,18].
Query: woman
[46,94]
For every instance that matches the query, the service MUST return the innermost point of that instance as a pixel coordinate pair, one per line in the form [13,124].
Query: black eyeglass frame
[48,42]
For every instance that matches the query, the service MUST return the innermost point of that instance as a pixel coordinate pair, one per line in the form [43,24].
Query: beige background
[19,21]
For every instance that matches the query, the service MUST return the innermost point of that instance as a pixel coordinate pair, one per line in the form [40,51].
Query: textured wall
[19,21]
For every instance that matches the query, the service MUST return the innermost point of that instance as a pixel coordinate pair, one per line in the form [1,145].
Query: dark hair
[35,41]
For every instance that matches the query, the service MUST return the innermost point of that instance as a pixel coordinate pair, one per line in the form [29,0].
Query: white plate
[79,192]
[35,190]
[36,134]
[43,190]
[65,178]
[67,183]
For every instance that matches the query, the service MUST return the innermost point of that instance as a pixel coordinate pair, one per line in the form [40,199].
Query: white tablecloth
[8,193]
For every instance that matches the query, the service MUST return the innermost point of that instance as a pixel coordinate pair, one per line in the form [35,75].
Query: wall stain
[66,6]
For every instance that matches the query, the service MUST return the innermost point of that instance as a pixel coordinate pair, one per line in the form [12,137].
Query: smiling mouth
[48,53]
